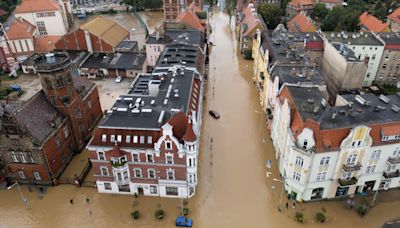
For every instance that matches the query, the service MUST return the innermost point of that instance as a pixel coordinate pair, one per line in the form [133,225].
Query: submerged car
[182,221]
[118,79]
[214,114]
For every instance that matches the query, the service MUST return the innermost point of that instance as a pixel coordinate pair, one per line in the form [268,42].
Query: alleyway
[233,189]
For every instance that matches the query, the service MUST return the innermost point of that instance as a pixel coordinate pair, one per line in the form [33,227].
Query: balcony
[347,182]
[117,164]
[391,174]
[352,167]
[394,160]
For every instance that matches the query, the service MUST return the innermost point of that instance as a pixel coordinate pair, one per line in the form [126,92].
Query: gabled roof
[191,19]
[301,23]
[29,6]
[20,29]
[395,16]
[45,44]
[373,24]
[300,3]
[107,29]
[189,136]
[179,123]
[251,20]
[331,1]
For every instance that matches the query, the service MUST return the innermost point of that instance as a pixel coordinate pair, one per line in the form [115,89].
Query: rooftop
[353,38]
[127,45]
[178,54]
[395,15]
[373,24]
[107,29]
[250,20]
[131,61]
[51,62]
[20,29]
[152,100]
[346,52]
[307,101]
[29,6]
[98,61]
[390,38]
[298,74]
[45,44]
[182,36]
[301,23]
[191,19]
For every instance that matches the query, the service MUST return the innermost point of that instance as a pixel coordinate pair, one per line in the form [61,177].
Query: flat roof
[298,74]
[152,99]
[98,60]
[353,38]
[182,36]
[307,101]
[131,61]
[178,54]
[127,45]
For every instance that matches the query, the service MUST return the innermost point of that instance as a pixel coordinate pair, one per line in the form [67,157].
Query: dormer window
[168,145]
[305,144]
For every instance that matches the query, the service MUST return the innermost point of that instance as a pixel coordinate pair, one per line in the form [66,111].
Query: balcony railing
[118,164]
[391,174]
[352,167]
[347,182]
[394,160]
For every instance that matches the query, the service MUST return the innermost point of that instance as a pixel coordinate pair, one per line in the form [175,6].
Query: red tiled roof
[395,16]
[116,151]
[373,24]
[191,19]
[2,12]
[189,136]
[331,1]
[301,23]
[301,2]
[28,6]
[179,123]
[46,44]
[20,29]
[391,130]
[250,19]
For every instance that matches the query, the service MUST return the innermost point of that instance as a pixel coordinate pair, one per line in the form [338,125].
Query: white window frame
[103,138]
[104,168]
[103,153]
[152,188]
[141,139]
[119,138]
[149,139]
[36,175]
[154,173]
[299,161]
[173,174]
[138,157]
[135,139]
[147,158]
[14,157]
[128,139]
[107,188]
[136,174]
[168,145]
[296,176]
[169,156]
[112,138]
[21,174]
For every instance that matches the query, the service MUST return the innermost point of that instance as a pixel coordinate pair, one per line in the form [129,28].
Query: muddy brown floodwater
[233,189]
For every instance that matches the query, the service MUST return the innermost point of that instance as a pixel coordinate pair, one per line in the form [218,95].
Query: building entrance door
[140,190]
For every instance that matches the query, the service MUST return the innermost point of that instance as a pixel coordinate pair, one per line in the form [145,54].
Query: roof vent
[50,58]
[395,108]
[334,115]
[323,103]
[161,117]
[360,100]
[122,109]
[384,98]
[109,111]
[165,101]
[136,110]
[146,110]
[310,100]
[153,102]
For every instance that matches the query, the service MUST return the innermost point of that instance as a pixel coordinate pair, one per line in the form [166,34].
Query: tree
[330,22]
[230,8]
[380,10]
[270,13]
[319,12]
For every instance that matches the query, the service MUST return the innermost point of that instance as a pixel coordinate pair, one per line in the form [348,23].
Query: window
[112,139]
[321,176]
[387,57]
[119,138]
[351,159]
[41,28]
[14,156]
[305,144]
[104,171]
[170,175]
[168,145]
[128,139]
[384,66]
[299,161]
[142,139]
[149,158]
[135,139]
[370,169]
[104,138]
[138,172]
[30,157]
[324,161]
[396,152]
[66,131]
[135,157]
[296,176]
[21,156]
[101,155]
[58,141]
[89,104]
[21,174]
[172,191]
[37,176]
[153,189]
[169,159]
[151,173]
[373,56]
[375,155]
[346,175]
[78,113]
[369,74]
[107,186]
[149,139]
[190,162]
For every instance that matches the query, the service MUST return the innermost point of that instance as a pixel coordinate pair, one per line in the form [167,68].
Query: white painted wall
[153,52]
[54,25]
[375,54]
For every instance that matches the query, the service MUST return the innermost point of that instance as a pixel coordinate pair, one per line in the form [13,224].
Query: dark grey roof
[183,36]
[346,52]
[298,74]
[390,37]
[131,61]
[77,57]
[177,53]
[353,38]
[376,112]
[155,98]
[98,61]
[38,116]
[308,101]
[127,45]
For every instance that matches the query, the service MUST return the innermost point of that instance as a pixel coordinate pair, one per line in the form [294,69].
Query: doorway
[140,190]
[317,193]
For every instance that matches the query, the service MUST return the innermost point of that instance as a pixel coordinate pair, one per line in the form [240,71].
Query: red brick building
[97,35]
[39,137]
[174,7]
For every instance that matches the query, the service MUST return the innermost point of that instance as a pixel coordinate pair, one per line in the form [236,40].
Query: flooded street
[233,190]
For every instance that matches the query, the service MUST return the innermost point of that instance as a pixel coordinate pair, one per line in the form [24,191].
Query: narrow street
[233,190]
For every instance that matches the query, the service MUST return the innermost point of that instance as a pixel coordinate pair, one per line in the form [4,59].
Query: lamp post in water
[24,199]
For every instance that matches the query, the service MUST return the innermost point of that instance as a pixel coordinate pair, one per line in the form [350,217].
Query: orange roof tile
[251,19]
[391,130]
[189,136]
[28,6]
[301,2]
[179,123]
[395,16]
[20,29]
[301,23]
[44,44]
[373,24]
[191,19]
[332,1]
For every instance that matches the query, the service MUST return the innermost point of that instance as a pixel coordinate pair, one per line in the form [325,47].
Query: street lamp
[280,200]
[24,199]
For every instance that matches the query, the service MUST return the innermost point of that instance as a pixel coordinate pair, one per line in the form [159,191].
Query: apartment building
[294,7]
[394,20]
[389,67]
[172,8]
[301,23]
[326,152]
